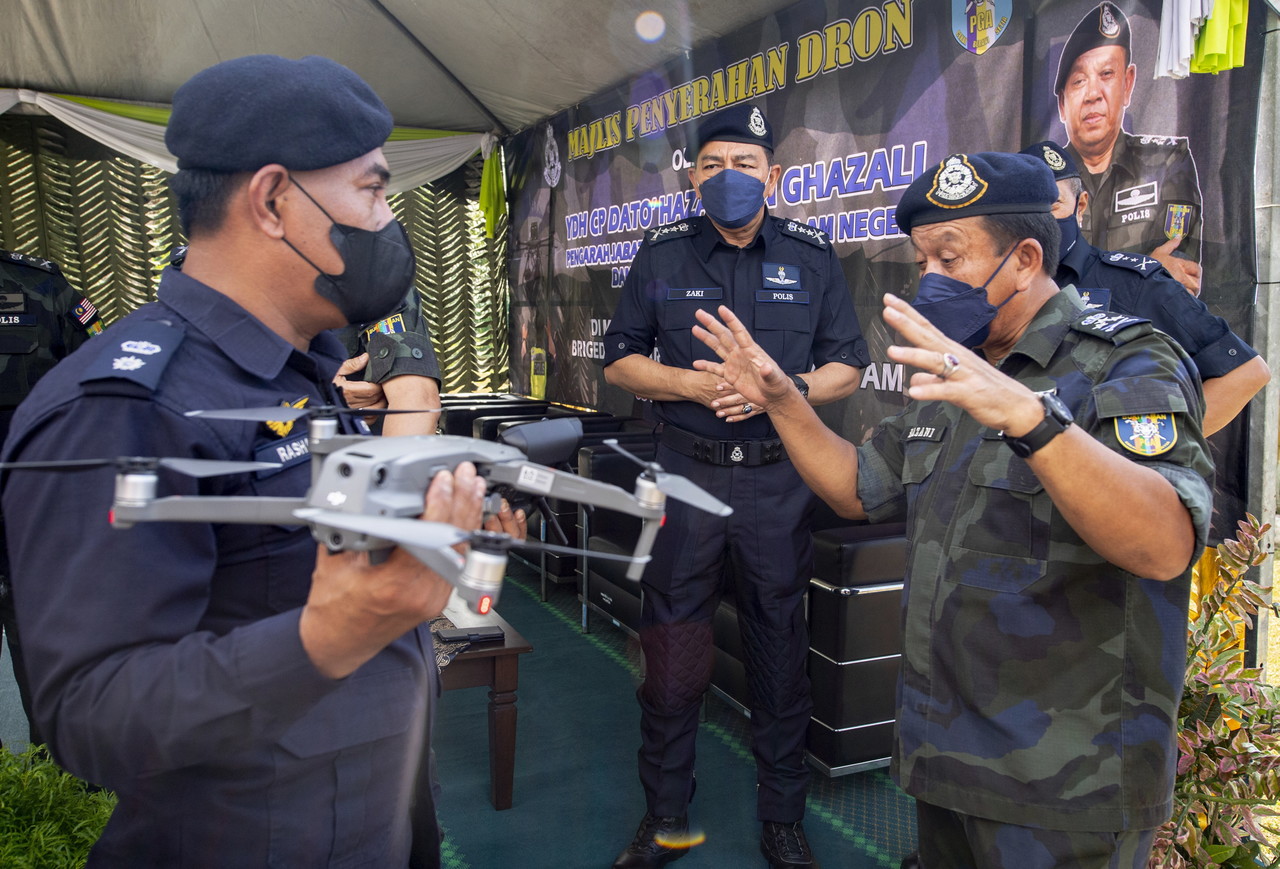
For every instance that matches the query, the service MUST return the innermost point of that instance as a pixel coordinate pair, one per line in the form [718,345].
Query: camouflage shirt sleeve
[397,344]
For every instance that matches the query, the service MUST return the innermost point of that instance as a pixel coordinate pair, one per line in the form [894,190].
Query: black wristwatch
[801,384]
[1056,419]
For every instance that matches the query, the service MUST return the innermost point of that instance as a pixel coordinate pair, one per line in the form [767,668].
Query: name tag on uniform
[18,320]
[287,452]
[794,297]
[695,293]
[926,433]
[778,275]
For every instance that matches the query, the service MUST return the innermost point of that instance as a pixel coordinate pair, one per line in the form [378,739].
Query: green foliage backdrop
[109,222]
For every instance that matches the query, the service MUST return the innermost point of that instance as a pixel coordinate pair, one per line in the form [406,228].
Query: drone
[366,493]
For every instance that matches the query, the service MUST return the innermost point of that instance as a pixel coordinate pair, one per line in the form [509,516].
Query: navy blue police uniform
[1129,283]
[788,288]
[186,690]
[166,659]
[42,320]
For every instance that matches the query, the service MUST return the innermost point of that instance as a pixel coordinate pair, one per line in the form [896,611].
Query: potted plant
[1227,793]
[48,818]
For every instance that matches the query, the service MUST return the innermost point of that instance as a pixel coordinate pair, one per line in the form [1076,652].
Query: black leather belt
[713,452]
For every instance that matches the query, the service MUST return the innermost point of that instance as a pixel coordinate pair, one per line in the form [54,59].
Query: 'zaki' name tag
[696,293]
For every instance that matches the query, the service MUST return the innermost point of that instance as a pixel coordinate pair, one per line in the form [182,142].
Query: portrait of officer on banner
[1144,192]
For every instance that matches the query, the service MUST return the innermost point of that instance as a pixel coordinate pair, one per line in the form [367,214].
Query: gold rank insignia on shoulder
[280,428]
[1150,434]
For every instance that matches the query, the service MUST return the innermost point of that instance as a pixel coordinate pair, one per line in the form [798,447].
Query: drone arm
[238,510]
[538,480]
[648,532]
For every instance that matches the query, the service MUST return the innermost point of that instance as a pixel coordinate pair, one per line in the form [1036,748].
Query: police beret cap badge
[1104,25]
[740,123]
[245,113]
[969,185]
[1057,159]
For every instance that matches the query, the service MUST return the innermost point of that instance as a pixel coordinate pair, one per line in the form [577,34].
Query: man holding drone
[252,701]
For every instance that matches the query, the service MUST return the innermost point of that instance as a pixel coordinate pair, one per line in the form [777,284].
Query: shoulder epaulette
[1158,142]
[1143,265]
[136,352]
[34,262]
[1116,328]
[804,232]
[683,229]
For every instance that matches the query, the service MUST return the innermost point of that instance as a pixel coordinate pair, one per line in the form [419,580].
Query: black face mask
[378,268]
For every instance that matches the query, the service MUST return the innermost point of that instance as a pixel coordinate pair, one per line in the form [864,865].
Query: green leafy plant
[49,819]
[1227,793]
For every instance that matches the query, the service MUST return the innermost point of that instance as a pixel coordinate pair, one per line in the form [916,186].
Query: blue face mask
[1070,229]
[732,198]
[958,310]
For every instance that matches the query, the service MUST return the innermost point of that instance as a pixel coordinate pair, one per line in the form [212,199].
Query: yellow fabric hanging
[1222,38]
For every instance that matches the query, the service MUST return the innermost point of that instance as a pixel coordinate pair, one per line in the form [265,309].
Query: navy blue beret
[968,185]
[1058,160]
[1105,24]
[242,114]
[741,123]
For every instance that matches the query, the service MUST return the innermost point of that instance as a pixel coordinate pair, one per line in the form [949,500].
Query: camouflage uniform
[42,319]
[1149,195]
[397,344]
[1040,684]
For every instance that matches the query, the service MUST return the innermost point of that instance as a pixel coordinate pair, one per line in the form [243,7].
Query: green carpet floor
[577,798]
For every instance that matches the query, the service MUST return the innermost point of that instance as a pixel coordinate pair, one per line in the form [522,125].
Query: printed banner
[862,99]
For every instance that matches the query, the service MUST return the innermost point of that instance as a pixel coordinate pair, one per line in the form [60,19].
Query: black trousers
[767,545]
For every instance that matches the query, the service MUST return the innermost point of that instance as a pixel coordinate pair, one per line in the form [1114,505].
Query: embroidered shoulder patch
[138,353]
[1151,434]
[683,229]
[804,232]
[34,261]
[1143,265]
[1116,328]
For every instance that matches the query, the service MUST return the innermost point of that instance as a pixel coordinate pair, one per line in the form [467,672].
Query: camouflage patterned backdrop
[862,97]
[109,223]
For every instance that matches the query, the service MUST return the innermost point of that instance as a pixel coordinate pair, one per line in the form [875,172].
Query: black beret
[241,114]
[742,123]
[967,185]
[1058,160]
[1104,25]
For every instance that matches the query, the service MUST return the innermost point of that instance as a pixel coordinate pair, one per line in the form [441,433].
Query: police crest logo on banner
[550,158]
[977,24]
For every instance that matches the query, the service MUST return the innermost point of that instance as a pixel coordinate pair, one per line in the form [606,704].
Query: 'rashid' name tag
[286,451]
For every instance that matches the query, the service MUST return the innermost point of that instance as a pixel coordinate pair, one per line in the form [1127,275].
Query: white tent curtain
[412,162]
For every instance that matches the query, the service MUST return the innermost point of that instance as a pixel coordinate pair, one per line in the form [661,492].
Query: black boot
[785,846]
[646,853]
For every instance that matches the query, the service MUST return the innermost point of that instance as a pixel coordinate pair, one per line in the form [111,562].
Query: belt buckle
[737,455]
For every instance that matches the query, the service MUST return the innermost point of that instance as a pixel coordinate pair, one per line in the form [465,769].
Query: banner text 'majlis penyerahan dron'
[862,99]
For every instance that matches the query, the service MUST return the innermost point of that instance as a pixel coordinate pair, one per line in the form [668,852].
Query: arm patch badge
[1150,434]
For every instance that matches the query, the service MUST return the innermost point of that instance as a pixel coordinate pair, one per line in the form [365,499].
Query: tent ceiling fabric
[523,59]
